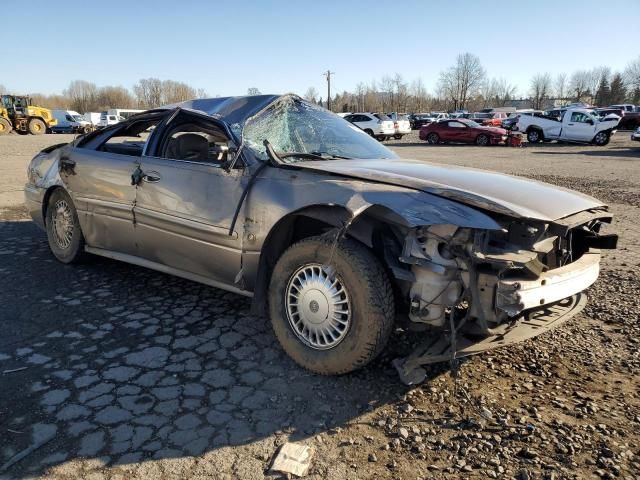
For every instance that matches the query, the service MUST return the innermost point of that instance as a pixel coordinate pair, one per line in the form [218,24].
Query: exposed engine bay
[482,283]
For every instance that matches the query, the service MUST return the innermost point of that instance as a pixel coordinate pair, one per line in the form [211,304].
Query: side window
[456,125]
[124,139]
[579,117]
[196,142]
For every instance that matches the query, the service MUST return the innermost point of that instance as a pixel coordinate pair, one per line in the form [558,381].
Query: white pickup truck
[580,125]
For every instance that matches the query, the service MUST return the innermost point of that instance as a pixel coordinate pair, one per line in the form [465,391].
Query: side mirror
[589,121]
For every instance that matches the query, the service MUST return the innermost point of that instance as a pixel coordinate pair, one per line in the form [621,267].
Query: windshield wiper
[313,155]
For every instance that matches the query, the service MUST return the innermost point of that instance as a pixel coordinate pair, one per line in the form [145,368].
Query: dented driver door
[185,203]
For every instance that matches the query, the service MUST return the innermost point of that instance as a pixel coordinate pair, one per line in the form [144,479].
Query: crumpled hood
[496,192]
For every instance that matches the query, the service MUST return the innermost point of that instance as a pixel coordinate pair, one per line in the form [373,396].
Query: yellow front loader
[19,114]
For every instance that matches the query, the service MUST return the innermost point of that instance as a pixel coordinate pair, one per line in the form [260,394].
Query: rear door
[97,174]
[579,126]
[186,200]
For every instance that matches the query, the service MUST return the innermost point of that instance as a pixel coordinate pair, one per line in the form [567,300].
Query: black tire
[5,126]
[482,140]
[86,130]
[370,297]
[601,139]
[433,138]
[534,136]
[74,251]
[37,127]
[381,138]
[397,136]
[369,132]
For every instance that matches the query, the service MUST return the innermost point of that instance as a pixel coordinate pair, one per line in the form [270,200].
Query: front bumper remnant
[530,324]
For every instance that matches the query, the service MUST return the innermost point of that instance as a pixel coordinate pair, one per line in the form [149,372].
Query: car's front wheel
[482,140]
[63,228]
[5,126]
[332,309]
[534,136]
[397,136]
[601,139]
[433,138]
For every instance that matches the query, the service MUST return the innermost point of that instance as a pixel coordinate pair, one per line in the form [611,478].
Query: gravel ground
[110,371]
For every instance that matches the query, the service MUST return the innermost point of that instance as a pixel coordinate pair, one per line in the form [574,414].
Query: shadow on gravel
[620,152]
[114,362]
[439,145]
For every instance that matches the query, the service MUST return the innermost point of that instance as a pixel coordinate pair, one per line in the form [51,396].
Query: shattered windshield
[292,125]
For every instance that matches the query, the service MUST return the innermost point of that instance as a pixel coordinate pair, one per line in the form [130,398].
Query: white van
[92,117]
[115,115]
[70,121]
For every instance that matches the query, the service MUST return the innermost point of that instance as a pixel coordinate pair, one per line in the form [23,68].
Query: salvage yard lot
[113,371]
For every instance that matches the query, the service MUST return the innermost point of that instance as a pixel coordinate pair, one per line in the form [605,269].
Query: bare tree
[632,74]
[540,89]
[560,86]
[148,92]
[174,92]
[82,95]
[113,97]
[311,94]
[3,90]
[579,84]
[201,93]
[463,80]
[361,90]
[419,94]
[253,91]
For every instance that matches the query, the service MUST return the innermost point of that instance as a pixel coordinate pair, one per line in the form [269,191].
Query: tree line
[465,85]
[83,96]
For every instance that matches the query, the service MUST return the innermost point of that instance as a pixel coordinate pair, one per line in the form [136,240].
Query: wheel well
[45,201]
[368,229]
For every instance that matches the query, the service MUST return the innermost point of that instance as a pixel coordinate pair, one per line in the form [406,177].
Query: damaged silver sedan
[329,231]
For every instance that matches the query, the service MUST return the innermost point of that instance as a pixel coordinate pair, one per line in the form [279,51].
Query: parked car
[107,119]
[417,120]
[329,232]
[401,124]
[577,125]
[626,107]
[70,121]
[461,130]
[636,135]
[495,119]
[377,125]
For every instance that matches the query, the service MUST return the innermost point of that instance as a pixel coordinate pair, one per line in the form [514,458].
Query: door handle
[570,124]
[151,177]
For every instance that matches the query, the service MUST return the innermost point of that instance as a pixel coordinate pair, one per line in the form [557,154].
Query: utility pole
[327,75]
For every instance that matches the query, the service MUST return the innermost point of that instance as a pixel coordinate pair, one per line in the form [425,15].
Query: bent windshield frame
[293,125]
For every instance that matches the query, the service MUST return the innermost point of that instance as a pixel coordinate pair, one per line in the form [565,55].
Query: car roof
[228,109]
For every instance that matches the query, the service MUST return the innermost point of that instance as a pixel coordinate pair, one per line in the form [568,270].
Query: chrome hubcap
[62,224]
[318,307]
[600,138]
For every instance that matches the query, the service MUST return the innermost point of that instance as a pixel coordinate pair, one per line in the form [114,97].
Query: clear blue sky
[280,46]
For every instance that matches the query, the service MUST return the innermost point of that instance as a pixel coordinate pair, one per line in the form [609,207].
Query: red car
[461,130]
[495,120]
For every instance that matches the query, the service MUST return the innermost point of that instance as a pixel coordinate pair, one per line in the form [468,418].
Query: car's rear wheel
[433,138]
[63,228]
[5,126]
[37,127]
[482,140]
[534,136]
[397,136]
[381,138]
[601,138]
[369,132]
[332,309]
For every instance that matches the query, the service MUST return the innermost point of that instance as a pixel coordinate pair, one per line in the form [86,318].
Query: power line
[327,75]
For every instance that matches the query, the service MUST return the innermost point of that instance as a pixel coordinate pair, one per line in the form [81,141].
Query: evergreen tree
[603,94]
[618,92]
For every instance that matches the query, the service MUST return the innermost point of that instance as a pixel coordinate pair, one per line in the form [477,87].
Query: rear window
[381,116]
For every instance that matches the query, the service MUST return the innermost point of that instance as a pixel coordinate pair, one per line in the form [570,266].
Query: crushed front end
[475,290]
